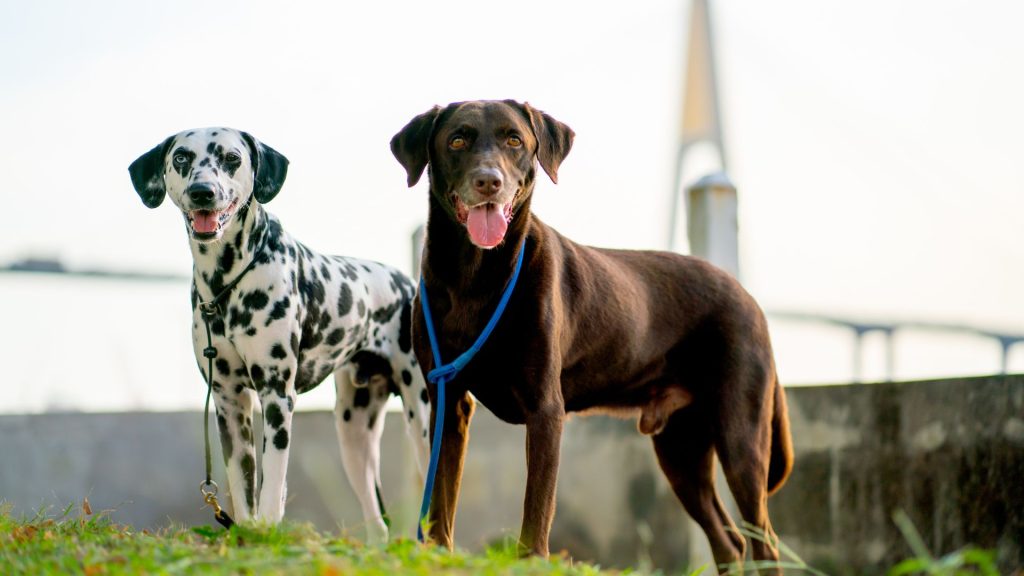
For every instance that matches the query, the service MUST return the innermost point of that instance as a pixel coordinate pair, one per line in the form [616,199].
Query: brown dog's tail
[781,461]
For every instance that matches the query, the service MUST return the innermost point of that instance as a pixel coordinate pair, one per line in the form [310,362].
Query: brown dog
[668,338]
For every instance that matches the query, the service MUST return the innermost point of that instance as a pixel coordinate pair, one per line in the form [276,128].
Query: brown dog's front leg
[455,437]
[543,443]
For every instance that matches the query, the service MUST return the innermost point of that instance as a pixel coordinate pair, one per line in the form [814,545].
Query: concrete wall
[949,453]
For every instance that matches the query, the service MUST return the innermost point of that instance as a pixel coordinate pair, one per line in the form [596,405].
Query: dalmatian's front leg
[277,396]
[233,399]
[234,405]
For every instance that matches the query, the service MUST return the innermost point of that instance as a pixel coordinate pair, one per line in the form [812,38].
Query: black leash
[210,310]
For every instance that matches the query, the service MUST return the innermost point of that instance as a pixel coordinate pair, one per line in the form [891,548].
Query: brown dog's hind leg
[744,447]
[687,458]
[445,498]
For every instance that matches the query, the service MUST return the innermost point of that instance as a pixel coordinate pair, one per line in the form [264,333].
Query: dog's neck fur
[216,264]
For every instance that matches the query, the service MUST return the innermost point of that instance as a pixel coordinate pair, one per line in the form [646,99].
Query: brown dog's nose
[486,181]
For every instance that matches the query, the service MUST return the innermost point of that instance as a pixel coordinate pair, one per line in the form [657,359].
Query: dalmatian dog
[294,318]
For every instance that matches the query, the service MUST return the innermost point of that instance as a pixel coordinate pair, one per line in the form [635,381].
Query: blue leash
[445,372]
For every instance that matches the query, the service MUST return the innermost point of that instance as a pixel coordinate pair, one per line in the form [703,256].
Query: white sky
[877,145]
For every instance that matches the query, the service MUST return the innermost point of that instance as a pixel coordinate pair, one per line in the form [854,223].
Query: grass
[77,541]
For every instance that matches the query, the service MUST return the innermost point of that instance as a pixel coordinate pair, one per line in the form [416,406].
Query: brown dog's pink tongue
[486,225]
[204,221]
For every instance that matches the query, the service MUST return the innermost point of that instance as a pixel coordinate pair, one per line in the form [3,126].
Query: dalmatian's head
[209,173]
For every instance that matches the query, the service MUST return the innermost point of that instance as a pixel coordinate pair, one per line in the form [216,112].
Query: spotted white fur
[293,319]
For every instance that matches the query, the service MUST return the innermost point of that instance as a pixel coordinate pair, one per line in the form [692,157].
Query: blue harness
[442,373]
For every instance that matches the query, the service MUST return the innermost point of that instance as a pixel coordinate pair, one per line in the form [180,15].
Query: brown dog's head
[482,160]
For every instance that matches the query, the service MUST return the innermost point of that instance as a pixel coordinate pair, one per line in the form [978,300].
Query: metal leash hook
[208,488]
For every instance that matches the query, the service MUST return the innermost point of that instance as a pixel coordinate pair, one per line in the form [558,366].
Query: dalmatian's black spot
[424,397]
[281,439]
[246,433]
[256,373]
[286,374]
[325,273]
[226,442]
[385,313]
[211,147]
[217,327]
[344,300]
[223,367]
[274,416]
[256,300]
[278,311]
[249,476]
[372,421]
[202,249]
[361,308]
[370,364]
[407,377]
[251,331]
[291,404]
[238,317]
[367,268]
[295,344]
[277,351]
[411,415]
[227,259]
[239,388]
[335,337]
[361,399]
[346,415]
[325,321]
[277,385]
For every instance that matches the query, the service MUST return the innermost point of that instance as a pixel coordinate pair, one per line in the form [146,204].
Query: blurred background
[874,149]
[867,189]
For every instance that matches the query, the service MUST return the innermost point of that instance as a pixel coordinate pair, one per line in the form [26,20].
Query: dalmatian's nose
[201,193]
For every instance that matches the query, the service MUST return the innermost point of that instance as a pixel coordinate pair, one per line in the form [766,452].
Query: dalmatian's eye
[180,159]
[514,141]
[457,143]
[232,158]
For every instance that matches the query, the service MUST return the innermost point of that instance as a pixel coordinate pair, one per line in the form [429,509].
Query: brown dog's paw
[664,402]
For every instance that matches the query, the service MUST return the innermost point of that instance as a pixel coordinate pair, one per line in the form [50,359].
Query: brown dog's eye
[457,143]
[515,141]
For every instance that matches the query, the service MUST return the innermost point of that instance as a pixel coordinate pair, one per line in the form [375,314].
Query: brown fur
[667,337]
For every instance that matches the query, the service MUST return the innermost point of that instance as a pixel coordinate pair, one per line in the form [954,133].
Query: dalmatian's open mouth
[206,224]
[486,222]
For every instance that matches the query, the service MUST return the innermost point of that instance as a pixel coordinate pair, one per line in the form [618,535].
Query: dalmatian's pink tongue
[487,225]
[204,221]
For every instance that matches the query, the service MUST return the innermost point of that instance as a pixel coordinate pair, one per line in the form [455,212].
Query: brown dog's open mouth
[486,222]
[206,223]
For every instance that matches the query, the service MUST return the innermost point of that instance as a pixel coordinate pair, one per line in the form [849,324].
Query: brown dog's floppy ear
[554,140]
[410,145]
[147,173]
[269,168]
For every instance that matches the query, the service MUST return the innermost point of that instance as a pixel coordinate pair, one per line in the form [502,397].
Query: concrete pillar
[418,236]
[712,222]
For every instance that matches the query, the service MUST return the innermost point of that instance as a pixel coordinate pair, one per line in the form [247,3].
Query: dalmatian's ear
[411,145]
[269,168]
[147,174]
